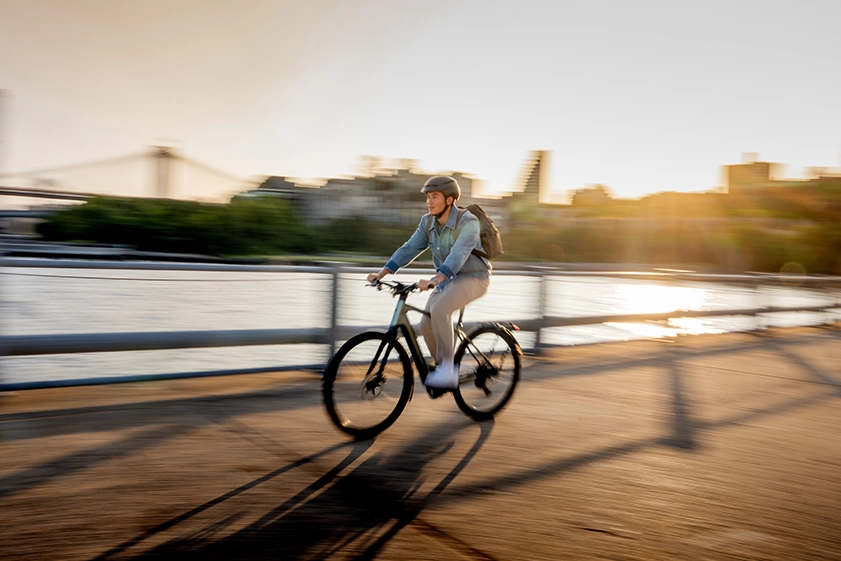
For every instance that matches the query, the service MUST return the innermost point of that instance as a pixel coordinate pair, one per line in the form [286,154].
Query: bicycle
[370,380]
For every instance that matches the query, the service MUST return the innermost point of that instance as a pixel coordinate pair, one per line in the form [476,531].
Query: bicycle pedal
[435,393]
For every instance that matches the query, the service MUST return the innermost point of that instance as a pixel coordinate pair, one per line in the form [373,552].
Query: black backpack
[488,233]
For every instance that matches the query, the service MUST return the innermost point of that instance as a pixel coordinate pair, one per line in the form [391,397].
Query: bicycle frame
[400,324]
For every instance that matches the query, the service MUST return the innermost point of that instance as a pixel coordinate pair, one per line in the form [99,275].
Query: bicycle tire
[359,402]
[487,378]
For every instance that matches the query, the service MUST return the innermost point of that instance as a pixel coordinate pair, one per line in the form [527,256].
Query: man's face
[436,202]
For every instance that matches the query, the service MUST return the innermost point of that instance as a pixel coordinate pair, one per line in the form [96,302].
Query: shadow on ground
[359,511]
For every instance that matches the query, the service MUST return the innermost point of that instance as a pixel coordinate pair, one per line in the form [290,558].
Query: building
[750,177]
[753,178]
[594,195]
[392,197]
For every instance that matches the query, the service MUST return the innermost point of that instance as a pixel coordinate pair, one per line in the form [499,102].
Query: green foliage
[690,231]
[728,245]
[821,248]
[243,227]
[788,226]
[359,235]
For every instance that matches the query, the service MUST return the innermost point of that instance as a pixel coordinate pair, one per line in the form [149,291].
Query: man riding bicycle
[461,275]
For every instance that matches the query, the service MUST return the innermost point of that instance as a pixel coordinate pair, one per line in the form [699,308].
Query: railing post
[541,311]
[2,315]
[837,293]
[334,309]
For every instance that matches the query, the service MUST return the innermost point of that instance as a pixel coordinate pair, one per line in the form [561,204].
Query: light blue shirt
[451,247]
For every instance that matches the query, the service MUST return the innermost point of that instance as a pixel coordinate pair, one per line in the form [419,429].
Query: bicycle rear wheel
[489,369]
[367,384]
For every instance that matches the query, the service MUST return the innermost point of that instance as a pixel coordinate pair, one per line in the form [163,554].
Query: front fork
[375,375]
[378,363]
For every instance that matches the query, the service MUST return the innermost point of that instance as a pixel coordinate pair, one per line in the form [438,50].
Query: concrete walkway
[713,447]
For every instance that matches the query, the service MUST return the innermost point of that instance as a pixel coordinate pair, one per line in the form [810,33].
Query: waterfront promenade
[710,447]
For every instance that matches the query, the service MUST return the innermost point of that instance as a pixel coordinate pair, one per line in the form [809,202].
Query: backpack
[488,233]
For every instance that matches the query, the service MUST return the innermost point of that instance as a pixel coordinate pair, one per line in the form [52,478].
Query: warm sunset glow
[642,97]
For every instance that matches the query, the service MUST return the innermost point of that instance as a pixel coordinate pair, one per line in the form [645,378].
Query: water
[54,301]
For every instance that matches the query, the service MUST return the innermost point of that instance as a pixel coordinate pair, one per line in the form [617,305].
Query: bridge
[41,194]
[160,172]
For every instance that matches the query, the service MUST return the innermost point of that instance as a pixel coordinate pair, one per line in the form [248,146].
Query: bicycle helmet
[443,183]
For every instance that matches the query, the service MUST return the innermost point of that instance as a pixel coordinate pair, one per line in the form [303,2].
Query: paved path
[714,447]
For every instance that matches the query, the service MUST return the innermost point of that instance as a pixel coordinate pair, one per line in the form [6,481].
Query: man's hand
[378,276]
[424,285]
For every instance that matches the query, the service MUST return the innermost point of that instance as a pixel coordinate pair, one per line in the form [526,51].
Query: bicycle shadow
[358,512]
[357,449]
[683,428]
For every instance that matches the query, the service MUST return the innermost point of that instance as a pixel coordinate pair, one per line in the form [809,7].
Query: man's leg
[437,330]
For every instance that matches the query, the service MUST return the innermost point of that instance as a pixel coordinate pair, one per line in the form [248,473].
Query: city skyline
[168,173]
[643,97]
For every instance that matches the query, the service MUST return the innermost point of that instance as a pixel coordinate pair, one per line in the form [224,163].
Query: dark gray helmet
[443,183]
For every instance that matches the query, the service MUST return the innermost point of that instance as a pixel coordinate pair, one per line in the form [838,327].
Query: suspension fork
[382,358]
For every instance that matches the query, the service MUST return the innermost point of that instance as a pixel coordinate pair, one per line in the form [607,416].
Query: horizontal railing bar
[566,321]
[26,345]
[630,318]
[72,343]
[155,266]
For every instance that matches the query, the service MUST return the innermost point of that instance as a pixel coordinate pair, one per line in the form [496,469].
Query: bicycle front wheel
[367,384]
[488,362]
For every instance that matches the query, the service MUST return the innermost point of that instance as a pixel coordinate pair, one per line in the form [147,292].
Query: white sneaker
[445,377]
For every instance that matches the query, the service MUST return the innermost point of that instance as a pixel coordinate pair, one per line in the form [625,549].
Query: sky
[642,96]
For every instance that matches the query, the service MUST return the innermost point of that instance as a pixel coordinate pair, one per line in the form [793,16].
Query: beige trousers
[437,328]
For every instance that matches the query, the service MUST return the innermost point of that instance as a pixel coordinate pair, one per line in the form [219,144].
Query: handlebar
[395,287]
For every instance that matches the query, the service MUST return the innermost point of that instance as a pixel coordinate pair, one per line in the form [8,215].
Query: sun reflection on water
[654,299]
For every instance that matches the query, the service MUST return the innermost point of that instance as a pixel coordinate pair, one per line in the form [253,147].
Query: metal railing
[30,345]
